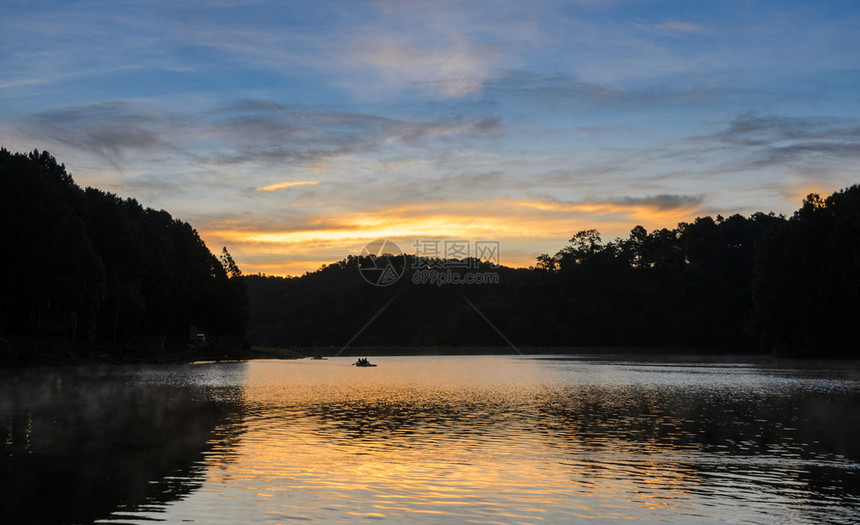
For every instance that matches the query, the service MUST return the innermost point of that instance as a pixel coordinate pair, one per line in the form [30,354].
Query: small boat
[319,358]
[362,361]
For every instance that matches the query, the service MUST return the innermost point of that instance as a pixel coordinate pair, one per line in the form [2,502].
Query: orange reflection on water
[397,444]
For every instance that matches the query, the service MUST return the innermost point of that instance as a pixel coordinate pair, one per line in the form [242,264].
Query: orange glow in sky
[297,140]
[525,229]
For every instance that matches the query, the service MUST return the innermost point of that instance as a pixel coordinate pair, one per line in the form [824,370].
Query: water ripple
[515,440]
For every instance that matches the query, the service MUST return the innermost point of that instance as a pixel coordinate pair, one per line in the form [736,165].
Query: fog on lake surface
[432,439]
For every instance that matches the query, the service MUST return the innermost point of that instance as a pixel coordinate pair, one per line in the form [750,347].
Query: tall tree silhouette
[86,266]
[807,286]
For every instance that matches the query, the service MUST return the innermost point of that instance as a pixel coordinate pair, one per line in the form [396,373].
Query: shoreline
[95,357]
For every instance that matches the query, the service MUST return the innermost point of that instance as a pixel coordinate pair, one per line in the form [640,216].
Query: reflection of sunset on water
[495,440]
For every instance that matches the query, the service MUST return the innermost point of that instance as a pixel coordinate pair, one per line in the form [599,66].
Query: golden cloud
[525,227]
[286,184]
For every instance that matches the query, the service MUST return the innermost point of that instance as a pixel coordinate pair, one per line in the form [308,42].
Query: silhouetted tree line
[89,267]
[807,279]
[761,283]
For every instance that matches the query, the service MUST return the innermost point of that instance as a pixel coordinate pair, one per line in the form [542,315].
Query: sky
[294,133]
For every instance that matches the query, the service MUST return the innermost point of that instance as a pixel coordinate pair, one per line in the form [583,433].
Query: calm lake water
[432,439]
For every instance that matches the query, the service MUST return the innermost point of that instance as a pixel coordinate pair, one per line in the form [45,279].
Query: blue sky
[295,132]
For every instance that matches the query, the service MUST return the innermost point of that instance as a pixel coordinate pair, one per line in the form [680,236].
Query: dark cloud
[556,88]
[563,90]
[272,134]
[245,132]
[661,202]
[243,106]
[276,154]
[108,130]
[764,141]
[259,119]
[751,130]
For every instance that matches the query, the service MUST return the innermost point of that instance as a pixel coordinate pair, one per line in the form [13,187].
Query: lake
[520,439]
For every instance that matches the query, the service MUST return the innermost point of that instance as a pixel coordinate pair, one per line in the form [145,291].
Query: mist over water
[441,439]
[81,443]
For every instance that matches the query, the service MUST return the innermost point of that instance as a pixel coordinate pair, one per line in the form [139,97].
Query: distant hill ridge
[757,284]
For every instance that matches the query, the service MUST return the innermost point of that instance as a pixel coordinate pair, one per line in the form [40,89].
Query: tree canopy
[89,267]
[807,282]
[761,283]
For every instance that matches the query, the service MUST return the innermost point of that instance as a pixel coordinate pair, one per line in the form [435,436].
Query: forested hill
[83,267]
[762,283]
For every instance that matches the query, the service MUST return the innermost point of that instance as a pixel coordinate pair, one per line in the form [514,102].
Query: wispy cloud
[249,131]
[555,91]
[768,141]
[291,129]
[109,130]
[454,67]
[680,27]
[286,184]
[663,202]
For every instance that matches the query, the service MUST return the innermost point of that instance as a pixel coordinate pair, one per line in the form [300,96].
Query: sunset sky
[295,132]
